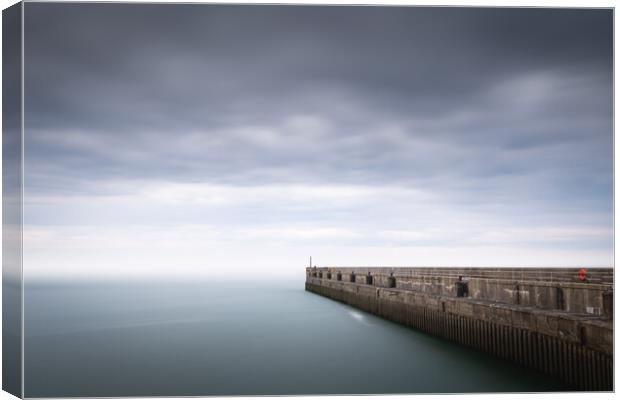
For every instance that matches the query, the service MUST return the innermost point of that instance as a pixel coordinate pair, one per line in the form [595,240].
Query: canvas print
[234,199]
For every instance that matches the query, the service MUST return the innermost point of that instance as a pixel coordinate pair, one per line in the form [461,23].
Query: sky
[168,141]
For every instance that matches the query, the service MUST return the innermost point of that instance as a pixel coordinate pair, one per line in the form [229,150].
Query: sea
[215,338]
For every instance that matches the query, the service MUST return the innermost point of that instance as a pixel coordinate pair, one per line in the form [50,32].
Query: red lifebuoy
[583,274]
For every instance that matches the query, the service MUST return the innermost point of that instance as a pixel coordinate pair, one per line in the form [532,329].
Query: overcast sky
[203,139]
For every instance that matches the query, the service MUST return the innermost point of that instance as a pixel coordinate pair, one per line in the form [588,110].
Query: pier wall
[558,321]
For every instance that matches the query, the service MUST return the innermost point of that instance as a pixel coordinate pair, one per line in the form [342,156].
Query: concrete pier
[556,320]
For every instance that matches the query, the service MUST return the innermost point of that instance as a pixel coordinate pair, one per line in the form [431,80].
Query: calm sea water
[197,338]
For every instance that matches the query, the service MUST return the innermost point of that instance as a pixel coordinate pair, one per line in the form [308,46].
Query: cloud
[367,126]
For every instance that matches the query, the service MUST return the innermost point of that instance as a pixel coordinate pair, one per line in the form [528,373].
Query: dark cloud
[133,65]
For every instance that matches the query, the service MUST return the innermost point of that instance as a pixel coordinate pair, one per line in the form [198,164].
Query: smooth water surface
[214,338]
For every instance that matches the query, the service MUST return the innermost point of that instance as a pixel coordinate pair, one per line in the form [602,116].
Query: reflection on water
[359,317]
[182,339]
